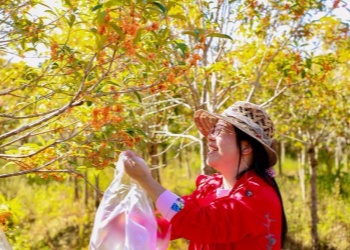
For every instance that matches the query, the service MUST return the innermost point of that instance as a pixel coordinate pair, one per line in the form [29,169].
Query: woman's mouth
[212,149]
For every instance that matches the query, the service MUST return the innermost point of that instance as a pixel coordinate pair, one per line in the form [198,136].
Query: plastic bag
[124,219]
[4,245]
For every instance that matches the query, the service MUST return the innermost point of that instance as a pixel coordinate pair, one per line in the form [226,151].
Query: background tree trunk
[97,192]
[313,184]
[282,156]
[152,151]
[86,190]
[301,172]
[76,188]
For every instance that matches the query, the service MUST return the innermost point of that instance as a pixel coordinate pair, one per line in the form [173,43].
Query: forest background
[83,80]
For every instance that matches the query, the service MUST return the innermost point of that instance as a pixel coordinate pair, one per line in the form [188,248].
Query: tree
[316,116]
[72,106]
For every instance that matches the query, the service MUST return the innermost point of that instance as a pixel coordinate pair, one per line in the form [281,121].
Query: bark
[152,151]
[301,172]
[164,155]
[346,161]
[97,192]
[86,190]
[282,157]
[313,183]
[76,189]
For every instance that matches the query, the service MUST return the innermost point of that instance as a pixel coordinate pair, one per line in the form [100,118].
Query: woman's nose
[211,137]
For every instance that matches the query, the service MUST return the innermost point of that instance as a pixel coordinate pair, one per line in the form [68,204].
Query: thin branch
[130,90]
[35,134]
[31,170]
[293,138]
[42,149]
[273,97]
[167,133]
[73,102]
[24,136]
[159,110]
[10,90]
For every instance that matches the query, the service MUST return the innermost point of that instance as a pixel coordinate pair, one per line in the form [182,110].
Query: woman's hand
[135,166]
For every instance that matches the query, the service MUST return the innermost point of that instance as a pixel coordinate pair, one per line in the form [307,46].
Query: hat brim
[205,120]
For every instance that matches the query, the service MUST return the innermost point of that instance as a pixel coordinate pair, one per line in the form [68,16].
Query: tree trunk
[313,183]
[204,150]
[152,151]
[76,188]
[97,192]
[345,160]
[86,190]
[164,155]
[282,156]
[301,172]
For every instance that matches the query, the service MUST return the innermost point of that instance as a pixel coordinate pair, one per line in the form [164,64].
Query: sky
[32,58]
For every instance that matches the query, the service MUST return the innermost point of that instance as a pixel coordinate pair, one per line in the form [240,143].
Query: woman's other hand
[135,166]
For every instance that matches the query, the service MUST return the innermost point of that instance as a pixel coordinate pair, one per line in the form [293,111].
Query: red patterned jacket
[247,218]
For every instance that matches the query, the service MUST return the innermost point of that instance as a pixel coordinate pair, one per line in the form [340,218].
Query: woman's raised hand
[135,166]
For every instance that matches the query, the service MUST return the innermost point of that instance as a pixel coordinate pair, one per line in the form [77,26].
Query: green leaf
[308,63]
[219,35]
[81,168]
[100,41]
[93,30]
[143,60]
[191,33]
[160,6]
[138,36]
[41,140]
[117,29]
[178,16]
[183,47]
[132,131]
[71,20]
[101,15]
[51,12]
[55,66]
[138,96]
[68,2]
[99,6]
[112,3]
[72,162]
[113,83]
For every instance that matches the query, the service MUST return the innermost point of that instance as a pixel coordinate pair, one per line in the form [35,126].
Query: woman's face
[223,152]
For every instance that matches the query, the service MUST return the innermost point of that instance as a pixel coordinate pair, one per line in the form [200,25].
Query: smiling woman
[240,208]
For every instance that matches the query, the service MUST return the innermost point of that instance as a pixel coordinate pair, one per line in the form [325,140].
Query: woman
[239,208]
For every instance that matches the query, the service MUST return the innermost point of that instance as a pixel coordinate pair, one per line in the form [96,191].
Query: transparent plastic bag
[4,245]
[124,219]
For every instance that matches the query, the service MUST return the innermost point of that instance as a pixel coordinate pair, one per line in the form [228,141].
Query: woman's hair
[260,163]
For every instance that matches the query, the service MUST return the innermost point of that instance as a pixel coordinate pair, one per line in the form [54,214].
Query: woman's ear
[246,148]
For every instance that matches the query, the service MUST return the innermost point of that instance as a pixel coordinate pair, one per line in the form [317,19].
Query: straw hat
[249,118]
